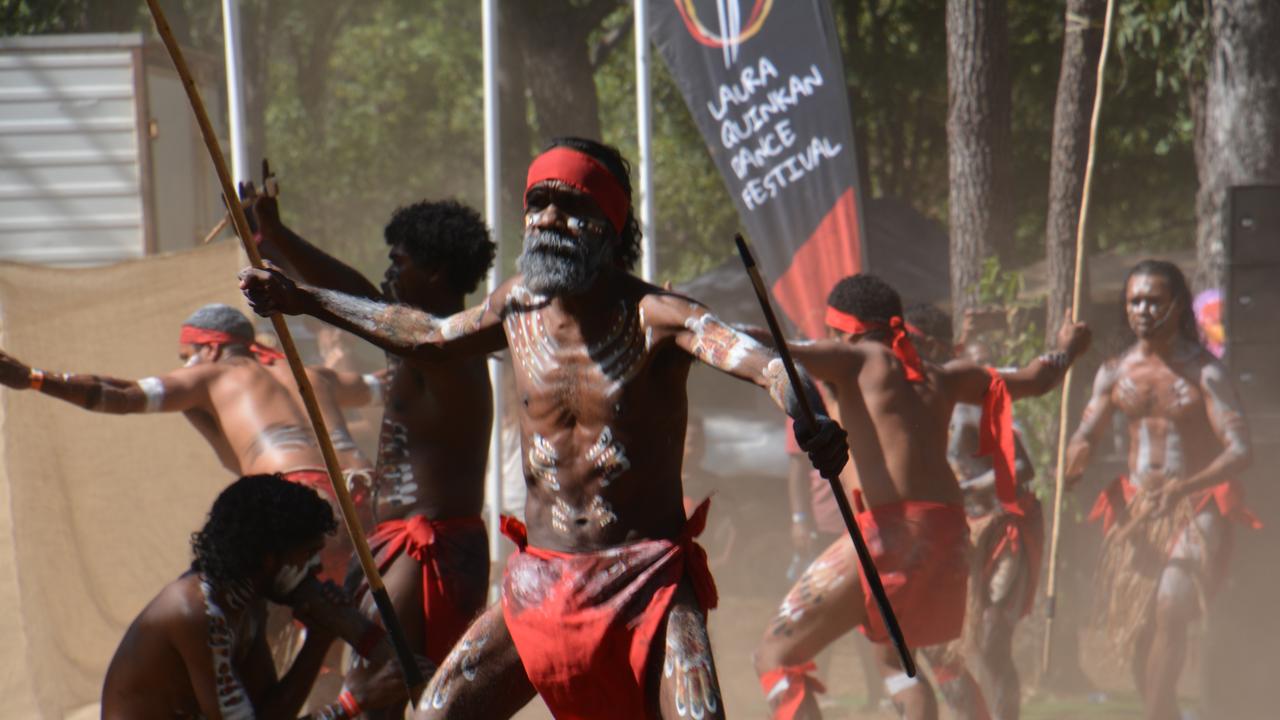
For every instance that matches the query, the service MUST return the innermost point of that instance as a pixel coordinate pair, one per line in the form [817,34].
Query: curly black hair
[1172,274]
[931,321]
[617,165]
[444,234]
[255,516]
[866,297]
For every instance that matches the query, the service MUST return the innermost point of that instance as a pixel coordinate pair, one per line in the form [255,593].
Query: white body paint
[542,462]
[233,699]
[153,389]
[608,456]
[289,577]
[617,357]
[464,657]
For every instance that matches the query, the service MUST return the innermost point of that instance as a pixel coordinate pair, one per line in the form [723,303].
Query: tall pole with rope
[1051,590]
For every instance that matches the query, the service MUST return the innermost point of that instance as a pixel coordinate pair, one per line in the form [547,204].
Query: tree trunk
[513,112]
[978,138]
[1241,116]
[558,61]
[1077,82]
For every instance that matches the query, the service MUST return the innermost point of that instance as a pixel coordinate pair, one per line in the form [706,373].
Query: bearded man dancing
[1168,524]
[603,607]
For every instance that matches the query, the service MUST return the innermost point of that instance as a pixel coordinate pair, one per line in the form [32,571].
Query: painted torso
[602,415]
[1170,436]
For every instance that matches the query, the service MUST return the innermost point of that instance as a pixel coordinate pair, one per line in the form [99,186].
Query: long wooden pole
[1051,590]
[837,489]
[408,666]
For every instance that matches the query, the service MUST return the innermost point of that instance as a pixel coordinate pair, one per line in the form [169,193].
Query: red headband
[582,172]
[204,336]
[899,342]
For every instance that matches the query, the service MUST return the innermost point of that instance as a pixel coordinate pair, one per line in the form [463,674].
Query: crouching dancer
[907,500]
[199,650]
[603,607]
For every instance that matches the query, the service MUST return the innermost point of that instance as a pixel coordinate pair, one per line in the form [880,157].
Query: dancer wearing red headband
[429,541]
[251,419]
[603,608]
[908,502]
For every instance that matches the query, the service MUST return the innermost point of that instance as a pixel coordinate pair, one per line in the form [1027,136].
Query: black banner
[765,83]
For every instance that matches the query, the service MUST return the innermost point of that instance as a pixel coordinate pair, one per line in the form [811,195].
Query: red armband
[349,704]
[37,379]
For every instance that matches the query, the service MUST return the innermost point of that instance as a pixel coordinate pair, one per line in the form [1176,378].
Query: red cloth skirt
[454,559]
[585,623]
[921,551]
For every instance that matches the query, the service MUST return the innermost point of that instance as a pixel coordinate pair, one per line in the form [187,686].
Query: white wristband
[375,387]
[153,389]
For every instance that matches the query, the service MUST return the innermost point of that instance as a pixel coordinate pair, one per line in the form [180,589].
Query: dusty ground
[737,625]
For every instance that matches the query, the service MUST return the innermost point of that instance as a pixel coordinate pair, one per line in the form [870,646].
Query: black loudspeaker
[1252,305]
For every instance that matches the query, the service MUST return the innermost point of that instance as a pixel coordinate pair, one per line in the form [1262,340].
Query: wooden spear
[1051,588]
[837,489]
[408,666]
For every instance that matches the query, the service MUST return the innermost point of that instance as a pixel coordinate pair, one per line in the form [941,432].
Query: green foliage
[1015,345]
[375,104]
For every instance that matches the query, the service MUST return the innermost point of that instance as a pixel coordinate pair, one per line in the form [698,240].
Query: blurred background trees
[363,107]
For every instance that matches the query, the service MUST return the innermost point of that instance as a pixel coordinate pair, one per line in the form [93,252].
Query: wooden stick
[408,666]
[1051,589]
[837,490]
[222,224]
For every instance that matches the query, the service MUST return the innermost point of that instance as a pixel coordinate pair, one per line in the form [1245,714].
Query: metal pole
[644,136]
[235,95]
[493,215]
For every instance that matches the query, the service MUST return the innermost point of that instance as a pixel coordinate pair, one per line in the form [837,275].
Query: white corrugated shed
[84,121]
[70,186]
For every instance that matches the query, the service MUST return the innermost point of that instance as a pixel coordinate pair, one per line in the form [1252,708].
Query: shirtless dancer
[1167,525]
[229,390]
[429,541]
[1008,546]
[603,609]
[908,502]
[198,649]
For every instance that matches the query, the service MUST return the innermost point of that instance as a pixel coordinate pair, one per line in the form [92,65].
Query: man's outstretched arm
[283,246]
[399,329]
[969,381]
[179,390]
[710,340]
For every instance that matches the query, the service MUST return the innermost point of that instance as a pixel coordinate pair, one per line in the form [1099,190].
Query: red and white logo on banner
[732,26]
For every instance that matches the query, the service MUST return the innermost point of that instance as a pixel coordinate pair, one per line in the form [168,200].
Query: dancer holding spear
[603,608]
[897,409]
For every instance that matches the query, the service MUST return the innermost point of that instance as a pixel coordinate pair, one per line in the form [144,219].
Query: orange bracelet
[349,704]
[37,379]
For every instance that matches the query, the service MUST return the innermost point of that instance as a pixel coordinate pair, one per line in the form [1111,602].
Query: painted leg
[825,603]
[1164,662]
[913,697]
[957,685]
[403,580]
[1178,603]
[1007,593]
[687,686]
[482,677]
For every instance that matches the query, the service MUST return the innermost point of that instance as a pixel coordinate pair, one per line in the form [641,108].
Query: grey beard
[554,264]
